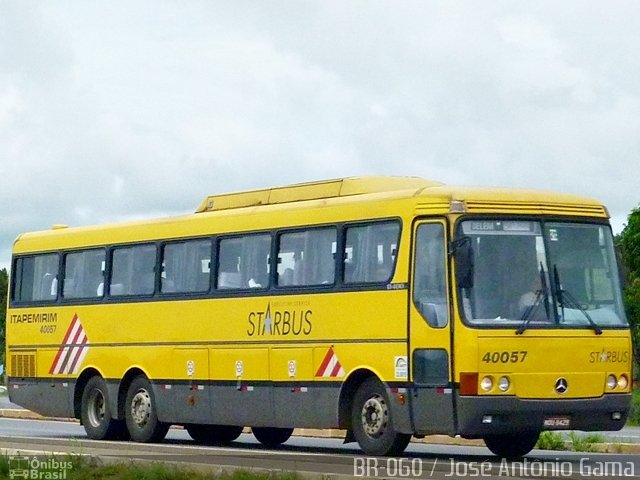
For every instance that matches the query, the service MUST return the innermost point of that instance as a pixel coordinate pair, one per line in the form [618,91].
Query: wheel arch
[124,386]
[81,382]
[347,392]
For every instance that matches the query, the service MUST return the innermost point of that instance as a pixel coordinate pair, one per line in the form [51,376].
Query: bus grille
[23,365]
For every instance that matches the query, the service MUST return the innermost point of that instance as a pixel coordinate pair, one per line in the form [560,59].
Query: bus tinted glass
[133,270]
[84,274]
[243,262]
[551,274]
[307,257]
[186,267]
[370,252]
[36,278]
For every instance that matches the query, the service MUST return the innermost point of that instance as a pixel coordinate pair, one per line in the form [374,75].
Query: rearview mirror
[462,251]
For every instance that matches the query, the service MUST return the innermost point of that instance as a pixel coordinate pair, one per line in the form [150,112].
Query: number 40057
[505,357]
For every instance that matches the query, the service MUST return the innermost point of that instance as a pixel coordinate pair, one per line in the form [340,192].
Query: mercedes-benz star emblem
[561,385]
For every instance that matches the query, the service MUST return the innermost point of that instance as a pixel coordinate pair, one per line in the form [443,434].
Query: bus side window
[133,270]
[370,252]
[244,262]
[83,274]
[429,281]
[183,267]
[35,278]
[307,257]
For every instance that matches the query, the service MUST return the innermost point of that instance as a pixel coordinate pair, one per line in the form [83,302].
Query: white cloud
[112,110]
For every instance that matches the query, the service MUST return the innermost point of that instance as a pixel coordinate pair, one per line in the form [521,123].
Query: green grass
[86,468]
[551,441]
[573,441]
[634,414]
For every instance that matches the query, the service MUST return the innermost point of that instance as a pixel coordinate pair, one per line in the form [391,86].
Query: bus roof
[421,196]
[340,187]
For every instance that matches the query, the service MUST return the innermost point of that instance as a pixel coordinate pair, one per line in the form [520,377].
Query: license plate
[557,422]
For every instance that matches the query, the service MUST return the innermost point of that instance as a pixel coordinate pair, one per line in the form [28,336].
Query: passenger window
[307,257]
[243,262]
[36,278]
[186,267]
[84,274]
[133,270]
[370,252]
[430,279]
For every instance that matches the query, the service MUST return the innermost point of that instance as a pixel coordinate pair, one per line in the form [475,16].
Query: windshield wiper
[542,294]
[565,298]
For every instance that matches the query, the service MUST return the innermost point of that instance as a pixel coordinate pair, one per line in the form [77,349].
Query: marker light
[504,384]
[486,384]
[612,381]
[457,206]
[623,382]
[469,383]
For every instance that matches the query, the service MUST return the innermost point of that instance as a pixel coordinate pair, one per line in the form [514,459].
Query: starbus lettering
[280,322]
[35,318]
[609,356]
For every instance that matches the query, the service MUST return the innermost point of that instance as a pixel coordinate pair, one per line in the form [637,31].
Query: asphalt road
[314,456]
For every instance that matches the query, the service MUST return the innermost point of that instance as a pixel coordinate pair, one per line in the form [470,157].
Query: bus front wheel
[511,446]
[371,421]
[141,414]
[271,436]
[212,434]
[95,412]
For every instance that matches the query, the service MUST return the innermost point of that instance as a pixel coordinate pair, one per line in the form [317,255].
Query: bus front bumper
[481,416]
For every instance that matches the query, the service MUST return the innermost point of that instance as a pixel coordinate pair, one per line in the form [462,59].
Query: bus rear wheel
[271,436]
[371,421]
[95,412]
[141,413]
[511,446]
[212,434]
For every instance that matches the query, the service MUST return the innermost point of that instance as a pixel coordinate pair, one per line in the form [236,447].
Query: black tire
[213,434]
[95,412]
[141,414]
[271,436]
[371,421]
[512,446]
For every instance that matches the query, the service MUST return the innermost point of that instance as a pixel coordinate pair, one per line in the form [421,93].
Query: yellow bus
[389,307]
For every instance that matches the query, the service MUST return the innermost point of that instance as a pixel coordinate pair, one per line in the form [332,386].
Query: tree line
[4,287]
[628,244]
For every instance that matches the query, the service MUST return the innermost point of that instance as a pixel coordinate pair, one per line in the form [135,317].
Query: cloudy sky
[111,110]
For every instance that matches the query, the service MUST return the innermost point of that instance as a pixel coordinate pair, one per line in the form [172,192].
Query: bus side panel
[188,401]
[240,395]
[44,396]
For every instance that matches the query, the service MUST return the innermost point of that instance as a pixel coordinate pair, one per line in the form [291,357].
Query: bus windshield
[534,274]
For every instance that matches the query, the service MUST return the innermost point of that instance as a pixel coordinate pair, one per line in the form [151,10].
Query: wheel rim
[141,407]
[375,416]
[96,408]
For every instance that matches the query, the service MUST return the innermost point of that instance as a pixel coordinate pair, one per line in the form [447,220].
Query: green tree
[4,285]
[628,243]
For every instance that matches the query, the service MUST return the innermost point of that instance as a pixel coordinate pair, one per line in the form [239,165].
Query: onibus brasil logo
[39,468]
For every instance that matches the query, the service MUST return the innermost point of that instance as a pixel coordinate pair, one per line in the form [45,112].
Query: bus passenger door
[431,396]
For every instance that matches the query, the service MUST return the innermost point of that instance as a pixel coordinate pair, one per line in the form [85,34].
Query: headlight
[504,384]
[623,382]
[486,384]
[612,381]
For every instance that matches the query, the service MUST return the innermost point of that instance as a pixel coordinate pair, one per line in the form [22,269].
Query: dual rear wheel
[96,415]
[141,419]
